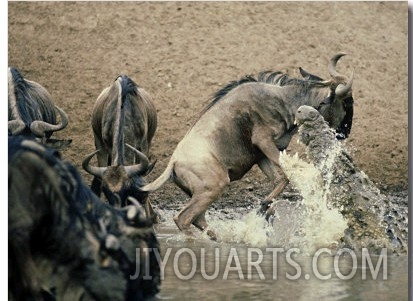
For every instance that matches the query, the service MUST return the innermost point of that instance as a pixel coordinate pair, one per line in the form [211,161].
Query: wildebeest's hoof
[211,235]
[264,206]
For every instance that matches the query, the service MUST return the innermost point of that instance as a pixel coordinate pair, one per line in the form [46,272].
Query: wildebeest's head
[337,107]
[31,111]
[120,182]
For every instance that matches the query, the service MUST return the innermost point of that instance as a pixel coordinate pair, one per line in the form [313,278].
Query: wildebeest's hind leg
[200,223]
[194,213]
[204,190]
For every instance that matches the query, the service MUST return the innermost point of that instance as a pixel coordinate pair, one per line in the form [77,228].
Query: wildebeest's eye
[329,99]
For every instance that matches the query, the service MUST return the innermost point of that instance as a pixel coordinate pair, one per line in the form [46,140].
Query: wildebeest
[124,114]
[249,122]
[61,235]
[32,111]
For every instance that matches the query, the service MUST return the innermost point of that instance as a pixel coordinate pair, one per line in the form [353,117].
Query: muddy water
[199,269]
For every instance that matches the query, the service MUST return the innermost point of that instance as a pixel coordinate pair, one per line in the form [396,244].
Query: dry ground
[182,52]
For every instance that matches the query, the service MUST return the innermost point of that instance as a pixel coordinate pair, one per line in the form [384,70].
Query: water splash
[250,229]
[307,224]
[320,223]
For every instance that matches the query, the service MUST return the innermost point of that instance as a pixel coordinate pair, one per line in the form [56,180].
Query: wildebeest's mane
[25,93]
[22,96]
[270,77]
[61,210]
[225,90]
[70,182]
[283,79]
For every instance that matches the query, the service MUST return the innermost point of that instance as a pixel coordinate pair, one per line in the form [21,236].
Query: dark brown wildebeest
[62,236]
[32,112]
[124,114]
[249,122]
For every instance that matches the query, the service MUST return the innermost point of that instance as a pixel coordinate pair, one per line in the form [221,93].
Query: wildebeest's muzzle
[343,130]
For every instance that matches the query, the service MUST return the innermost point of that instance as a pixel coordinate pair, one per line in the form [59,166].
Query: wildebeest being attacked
[32,112]
[64,242]
[249,122]
[123,115]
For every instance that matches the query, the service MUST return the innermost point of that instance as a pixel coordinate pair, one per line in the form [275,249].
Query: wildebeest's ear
[57,143]
[309,76]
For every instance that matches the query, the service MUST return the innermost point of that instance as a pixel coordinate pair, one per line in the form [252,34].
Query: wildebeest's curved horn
[332,65]
[341,89]
[140,168]
[95,171]
[39,127]
[16,127]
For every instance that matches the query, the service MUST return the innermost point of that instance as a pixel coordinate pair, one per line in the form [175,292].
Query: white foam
[322,225]
[251,229]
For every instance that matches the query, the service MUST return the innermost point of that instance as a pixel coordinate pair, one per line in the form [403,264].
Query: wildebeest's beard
[343,125]
[338,113]
[343,130]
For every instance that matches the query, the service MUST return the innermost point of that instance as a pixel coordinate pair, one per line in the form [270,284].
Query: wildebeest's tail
[165,176]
